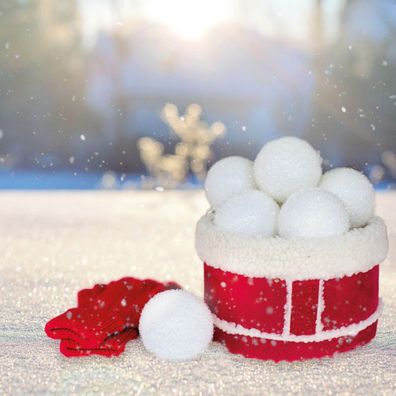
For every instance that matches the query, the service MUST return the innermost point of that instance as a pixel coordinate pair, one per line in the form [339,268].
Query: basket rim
[358,250]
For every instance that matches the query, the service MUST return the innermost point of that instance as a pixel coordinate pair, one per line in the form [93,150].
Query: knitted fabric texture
[106,317]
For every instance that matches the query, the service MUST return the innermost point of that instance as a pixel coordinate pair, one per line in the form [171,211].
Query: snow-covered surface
[53,244]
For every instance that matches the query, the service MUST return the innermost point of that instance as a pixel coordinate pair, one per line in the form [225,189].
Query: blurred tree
[353,107]
[41,80]
[191,154]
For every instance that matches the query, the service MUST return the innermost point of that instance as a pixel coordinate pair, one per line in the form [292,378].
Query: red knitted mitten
[106,318]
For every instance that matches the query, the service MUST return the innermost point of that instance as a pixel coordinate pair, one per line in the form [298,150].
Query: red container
[294,299]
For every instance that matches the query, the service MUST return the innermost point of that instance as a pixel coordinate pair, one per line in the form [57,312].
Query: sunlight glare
[191,19]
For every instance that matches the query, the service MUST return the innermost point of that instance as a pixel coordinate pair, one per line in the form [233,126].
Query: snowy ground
[54,243]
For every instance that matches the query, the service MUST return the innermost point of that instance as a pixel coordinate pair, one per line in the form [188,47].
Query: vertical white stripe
[319,325]
[289,291]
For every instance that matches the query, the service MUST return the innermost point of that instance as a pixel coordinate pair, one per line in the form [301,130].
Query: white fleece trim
[320,308]
[297,259]
[351,330]
[288,307]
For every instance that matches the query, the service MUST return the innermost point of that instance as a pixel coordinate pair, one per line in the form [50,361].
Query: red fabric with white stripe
[350,299]
[261,348]
[294,308]
[252,302]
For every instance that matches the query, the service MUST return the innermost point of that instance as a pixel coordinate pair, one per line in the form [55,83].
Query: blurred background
[147,94]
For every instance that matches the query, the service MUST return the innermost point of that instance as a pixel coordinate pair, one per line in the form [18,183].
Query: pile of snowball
[283,192]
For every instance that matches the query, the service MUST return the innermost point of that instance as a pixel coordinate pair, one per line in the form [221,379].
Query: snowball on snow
[354,190]
[312,213]
[251,212]
[228,176]
[176,325]
[286,165]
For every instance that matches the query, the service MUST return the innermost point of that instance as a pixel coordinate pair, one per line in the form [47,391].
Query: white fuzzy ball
[228,176]
[286,165]
[176,325]
[354,190]
[312,213]
[251,212]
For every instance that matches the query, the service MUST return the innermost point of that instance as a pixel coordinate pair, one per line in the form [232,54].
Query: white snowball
[251,212]
[228,176]
[176,325]
[286,165]
[312,213]
[354,190]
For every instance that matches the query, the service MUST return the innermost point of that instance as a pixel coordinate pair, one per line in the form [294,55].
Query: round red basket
[292,299]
